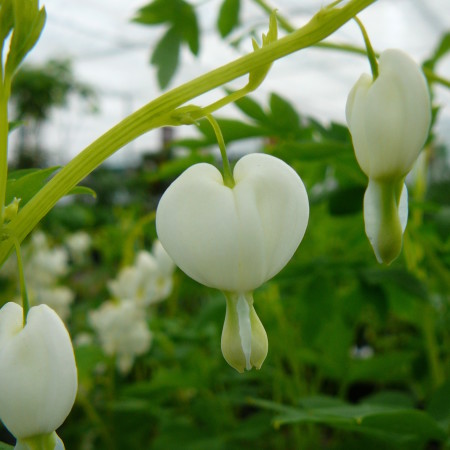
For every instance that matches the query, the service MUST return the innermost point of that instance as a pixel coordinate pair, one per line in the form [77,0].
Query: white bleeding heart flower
[38,375]
[235,238]
[389,119]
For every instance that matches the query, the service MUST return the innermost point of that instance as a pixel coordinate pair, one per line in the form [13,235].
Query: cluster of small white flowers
[122,330]
[121,324]
[44,266]
[78,244]
[148,281]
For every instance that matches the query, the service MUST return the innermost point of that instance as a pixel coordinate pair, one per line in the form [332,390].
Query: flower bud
[38,374]
[235,239]
[389,119]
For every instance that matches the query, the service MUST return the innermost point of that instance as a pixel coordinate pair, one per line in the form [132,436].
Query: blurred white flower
[78,244]
[150,280]
[83,339]
[122,330]
[364,352]
[44,264]
[59,298]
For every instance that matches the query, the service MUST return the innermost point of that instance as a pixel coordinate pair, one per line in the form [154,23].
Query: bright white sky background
[111,54]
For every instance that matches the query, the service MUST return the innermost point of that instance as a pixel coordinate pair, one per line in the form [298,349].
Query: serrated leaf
[82,190]
[284,116]
[252,109]
[232,130]
[228,16]
[187,25]
[315,151]
[395,399]
[385,422]
[6,19]
[25,183]
[158,11]
[165,57]
[14,124]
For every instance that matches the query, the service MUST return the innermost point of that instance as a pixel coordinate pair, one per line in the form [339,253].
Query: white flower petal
[38,375]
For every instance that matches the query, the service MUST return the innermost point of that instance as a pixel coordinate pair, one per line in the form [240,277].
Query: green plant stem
[428,327]
[431,76]
[370,53]
[23,287]
[227,172]
[96,419]
[4,129]
[158,113]
[128,253]
[281,20]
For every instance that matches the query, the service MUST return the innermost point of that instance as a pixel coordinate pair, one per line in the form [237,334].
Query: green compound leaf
[402,426]
[23,184]
[182,24]
[284,115]
[82,190]
[232,130]
[6,19]
[29,21]
[165,57]
[186,23]
[156,12]
[252,109]
[228,16]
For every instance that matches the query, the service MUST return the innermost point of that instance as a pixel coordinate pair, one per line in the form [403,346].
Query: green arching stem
[4,130]
[370,53]
[227,172]
[23,287]
[230,98]
[128,251]
[431,76]
[158,113]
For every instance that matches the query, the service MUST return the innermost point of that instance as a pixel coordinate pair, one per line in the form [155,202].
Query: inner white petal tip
[245,329]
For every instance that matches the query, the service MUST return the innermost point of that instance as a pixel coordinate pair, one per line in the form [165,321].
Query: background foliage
[358,352]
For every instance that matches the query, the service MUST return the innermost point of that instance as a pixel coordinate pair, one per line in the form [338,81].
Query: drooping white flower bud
[235,239]
[389,119]
[38,374]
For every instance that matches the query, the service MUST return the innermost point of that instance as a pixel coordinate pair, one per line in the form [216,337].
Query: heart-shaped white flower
[38,374]
[234,239]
